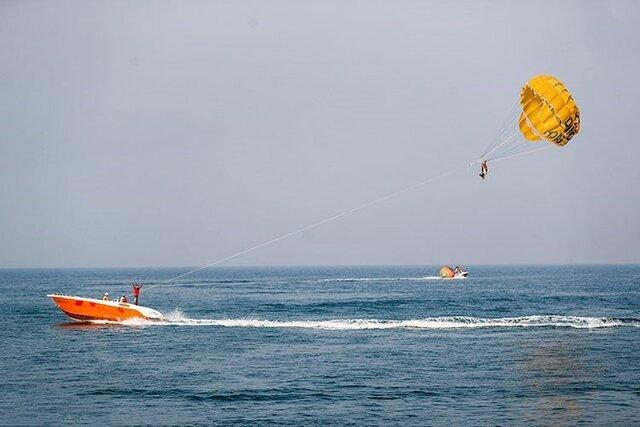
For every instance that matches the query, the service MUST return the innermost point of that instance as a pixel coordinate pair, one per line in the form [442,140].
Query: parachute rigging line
[545,147]
[502,143]
[311,226]
[507,125]
[506,140]
[522,147]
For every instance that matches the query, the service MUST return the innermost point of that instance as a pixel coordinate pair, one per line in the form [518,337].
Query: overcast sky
[173,133]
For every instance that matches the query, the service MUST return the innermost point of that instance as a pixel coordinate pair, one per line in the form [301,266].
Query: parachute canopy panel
[548,111]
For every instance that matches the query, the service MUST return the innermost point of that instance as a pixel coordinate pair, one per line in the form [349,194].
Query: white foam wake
[380,279]
[176,318]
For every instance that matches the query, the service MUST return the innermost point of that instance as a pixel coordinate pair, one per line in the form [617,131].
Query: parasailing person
[484,169]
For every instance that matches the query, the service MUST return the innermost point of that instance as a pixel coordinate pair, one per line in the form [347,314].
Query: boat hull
[90,309]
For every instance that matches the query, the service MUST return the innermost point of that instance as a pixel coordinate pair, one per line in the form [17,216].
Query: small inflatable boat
[447,272]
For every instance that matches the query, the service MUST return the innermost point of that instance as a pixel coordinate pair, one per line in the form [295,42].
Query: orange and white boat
[91,309]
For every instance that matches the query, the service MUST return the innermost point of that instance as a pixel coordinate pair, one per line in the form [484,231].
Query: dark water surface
[371,345]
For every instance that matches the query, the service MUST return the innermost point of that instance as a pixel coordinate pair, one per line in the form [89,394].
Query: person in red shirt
[136,292]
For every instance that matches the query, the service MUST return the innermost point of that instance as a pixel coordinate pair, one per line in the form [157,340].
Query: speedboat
[91,309]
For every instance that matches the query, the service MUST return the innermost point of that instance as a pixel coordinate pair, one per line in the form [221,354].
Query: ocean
[517,345]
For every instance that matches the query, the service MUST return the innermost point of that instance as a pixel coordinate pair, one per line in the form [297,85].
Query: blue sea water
[336,345]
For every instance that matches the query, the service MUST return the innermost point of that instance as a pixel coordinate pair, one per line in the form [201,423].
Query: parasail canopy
[545,111]
[548,111]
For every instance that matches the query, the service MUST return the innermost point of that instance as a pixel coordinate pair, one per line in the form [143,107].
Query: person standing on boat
[105,297]
[136,292]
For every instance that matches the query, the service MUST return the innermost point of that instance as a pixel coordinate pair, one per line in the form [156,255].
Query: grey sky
[176,132]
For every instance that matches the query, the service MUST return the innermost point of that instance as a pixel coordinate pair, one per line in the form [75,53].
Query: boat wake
[381,279]
[176,318]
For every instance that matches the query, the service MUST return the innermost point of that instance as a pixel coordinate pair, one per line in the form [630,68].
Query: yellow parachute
[548,111]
